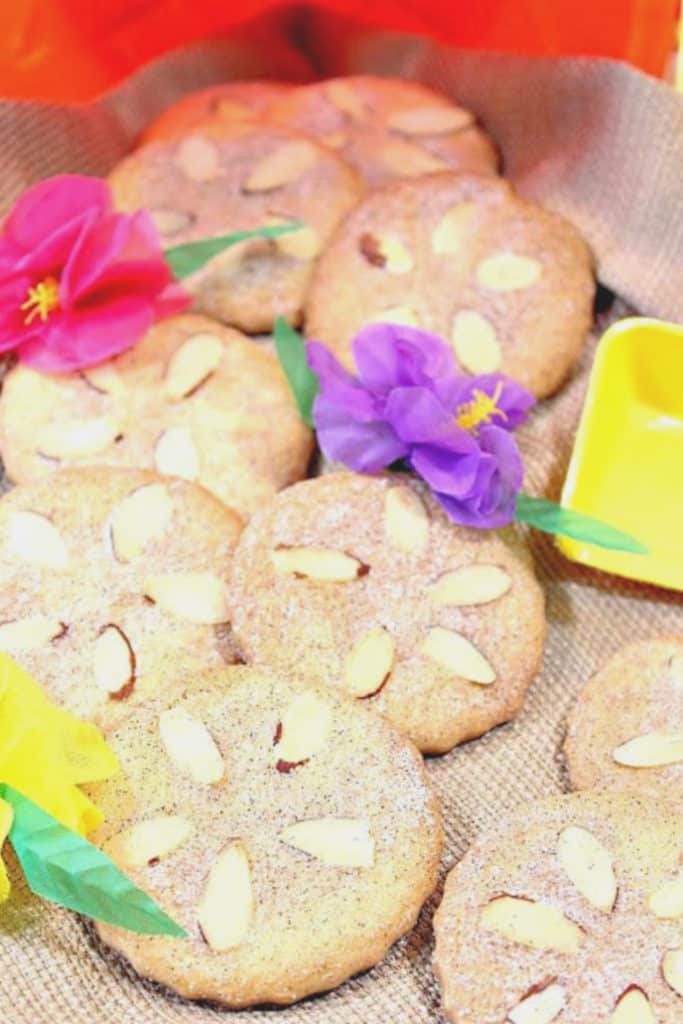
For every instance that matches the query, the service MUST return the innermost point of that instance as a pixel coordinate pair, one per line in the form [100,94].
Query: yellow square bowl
[627,463]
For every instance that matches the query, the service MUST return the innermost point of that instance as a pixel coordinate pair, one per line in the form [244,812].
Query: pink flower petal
[51,204]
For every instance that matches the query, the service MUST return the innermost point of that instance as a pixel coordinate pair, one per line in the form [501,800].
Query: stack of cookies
[267,653]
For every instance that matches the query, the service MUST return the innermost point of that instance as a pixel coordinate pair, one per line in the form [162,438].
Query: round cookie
[230,102]
[364,584]
[194,399]
[389,128]
[293,834]
[625,731]
[111,578]
[228,179]
[508,284]
[565,913]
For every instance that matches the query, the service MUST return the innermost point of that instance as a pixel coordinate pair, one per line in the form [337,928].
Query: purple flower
[409,403]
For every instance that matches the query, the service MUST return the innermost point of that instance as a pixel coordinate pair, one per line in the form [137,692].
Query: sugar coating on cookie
[364,584]
[509,285]
[389,128]
[567,912]
[193,399]
[227,178]
[111,578]
[293,835]
[625,731]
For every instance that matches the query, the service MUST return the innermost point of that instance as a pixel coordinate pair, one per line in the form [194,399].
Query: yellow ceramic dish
[627,464]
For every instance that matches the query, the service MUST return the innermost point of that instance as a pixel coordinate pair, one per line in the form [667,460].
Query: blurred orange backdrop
[70,50]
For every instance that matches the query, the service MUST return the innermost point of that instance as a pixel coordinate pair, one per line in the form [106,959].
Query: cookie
[626,730]
[566,912]
[389,128]
[194,399]
[508,284]
[231,101]
[362,583]
[110,578]
[232,178]
[292,834]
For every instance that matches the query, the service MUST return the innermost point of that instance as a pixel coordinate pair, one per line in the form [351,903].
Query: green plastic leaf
[552,518]
[63,867]
[185,259]
[303,383]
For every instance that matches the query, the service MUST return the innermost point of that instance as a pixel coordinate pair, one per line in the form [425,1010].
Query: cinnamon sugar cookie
[388,128]
[231,178]
[293,835]
[563,914]
[626,729]
[109,580]
[194,399]
[364,584]
[508,284]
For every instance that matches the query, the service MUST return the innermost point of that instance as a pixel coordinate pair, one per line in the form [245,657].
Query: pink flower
[79,282]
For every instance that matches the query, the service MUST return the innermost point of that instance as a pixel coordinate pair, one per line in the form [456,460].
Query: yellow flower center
[42,300]
[480,410]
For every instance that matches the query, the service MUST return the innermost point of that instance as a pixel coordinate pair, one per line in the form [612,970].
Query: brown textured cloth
[597,141]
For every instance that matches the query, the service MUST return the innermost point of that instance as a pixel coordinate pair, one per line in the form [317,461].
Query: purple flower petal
[448,472]
[337,385]
[513,401]
[366,446]
[392,355]
[417,415]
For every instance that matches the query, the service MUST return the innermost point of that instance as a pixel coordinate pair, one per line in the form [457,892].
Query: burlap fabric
[595,140]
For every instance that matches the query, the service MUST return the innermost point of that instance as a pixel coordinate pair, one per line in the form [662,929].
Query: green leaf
[552,518]
[63,867]
[303,383]
[183,260]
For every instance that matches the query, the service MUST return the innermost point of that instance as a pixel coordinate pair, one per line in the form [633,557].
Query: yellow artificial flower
[45,753]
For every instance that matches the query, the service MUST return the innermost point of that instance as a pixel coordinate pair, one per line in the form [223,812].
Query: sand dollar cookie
[508,284]
[626,729]
[230,102]
[293,835]
[226,179]
[561,914]
[194,399]
[108,579]
[388,128]
[364,584]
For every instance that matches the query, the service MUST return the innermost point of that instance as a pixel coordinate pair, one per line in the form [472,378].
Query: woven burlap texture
[597,141]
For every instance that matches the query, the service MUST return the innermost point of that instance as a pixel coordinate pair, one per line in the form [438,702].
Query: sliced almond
[230,108]
[78,438]
[284,165]
[191,596]
[588,864]
[667,901]
[386,250]
[540,1007]
[651,750]
[475,343]
[531,924]
[408,160]
[197,158]
[302,244]
[406,315]
[176,455]
[317,564]
[335,140]
[170,222]
[191,364]
[142,516]
[346,98]
[104,378]
[406,521]
[36,539]
[448,235]
[508,272]
[305,728]
[148,841]
[226,909]
[369,662]
[343,842]
[470,585]
[430,120]
[672,969]
[30,634]
[456,653]
[114,661]
[633,1007]
[190,746]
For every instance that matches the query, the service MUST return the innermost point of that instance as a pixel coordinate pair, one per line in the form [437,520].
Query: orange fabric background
[71,50]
